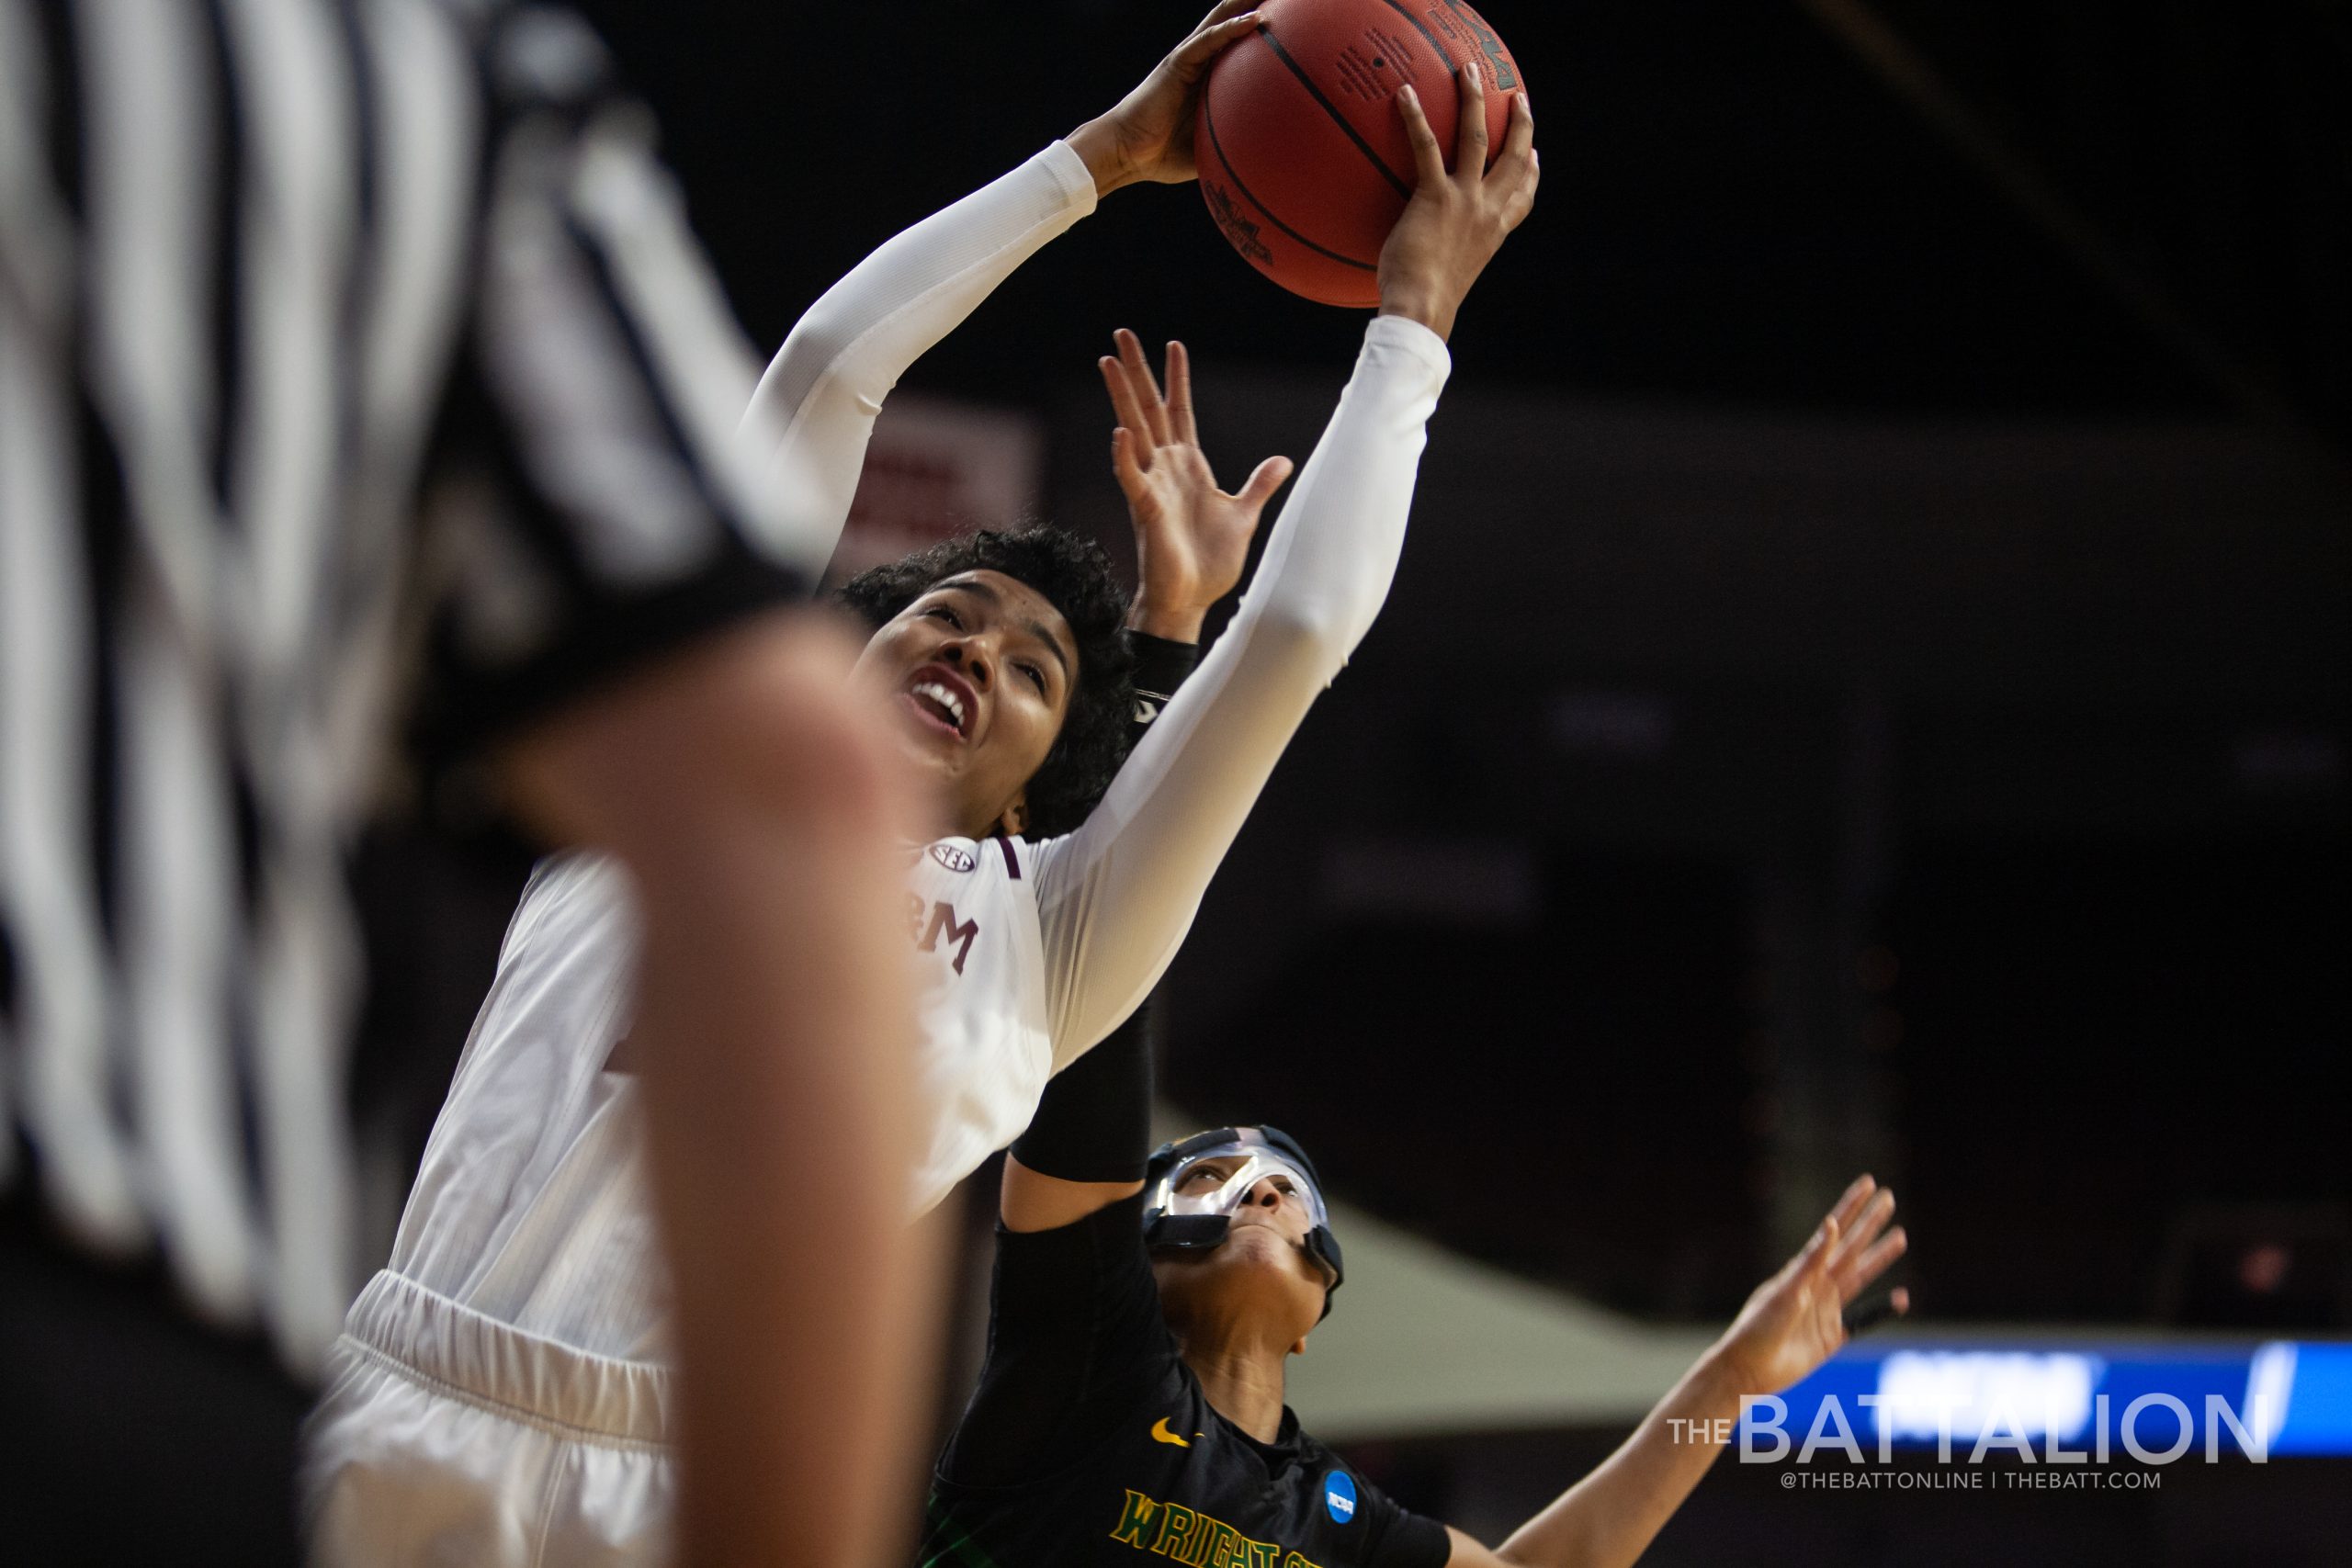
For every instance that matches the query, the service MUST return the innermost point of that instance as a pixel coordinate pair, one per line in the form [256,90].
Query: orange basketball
[1303,160]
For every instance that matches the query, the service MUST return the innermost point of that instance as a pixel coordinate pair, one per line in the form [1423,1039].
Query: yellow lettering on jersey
[1197,1540]
[1176,1526]
[1134,1519]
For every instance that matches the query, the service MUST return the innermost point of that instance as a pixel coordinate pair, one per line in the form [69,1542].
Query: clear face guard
[1197,1185]
[1219,1179]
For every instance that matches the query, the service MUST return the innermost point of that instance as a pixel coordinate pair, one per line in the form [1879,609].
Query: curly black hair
[1075,577]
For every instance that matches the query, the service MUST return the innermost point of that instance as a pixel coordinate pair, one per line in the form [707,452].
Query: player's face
[1262,1273]
[979,672]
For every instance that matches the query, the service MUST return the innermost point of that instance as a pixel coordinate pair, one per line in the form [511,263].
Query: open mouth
[940,700]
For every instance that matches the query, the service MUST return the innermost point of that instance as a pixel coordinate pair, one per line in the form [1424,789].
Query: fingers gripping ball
[1303,160]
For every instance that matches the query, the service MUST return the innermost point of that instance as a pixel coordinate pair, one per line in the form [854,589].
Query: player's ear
[1298,1346]
[1013,821]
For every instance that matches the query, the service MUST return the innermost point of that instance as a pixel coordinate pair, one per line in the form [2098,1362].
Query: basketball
[1303,160]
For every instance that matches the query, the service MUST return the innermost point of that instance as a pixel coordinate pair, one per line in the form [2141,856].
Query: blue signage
[2150,1403]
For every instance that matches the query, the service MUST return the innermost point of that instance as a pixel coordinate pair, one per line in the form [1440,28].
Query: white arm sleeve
[812,413]
[1116,896]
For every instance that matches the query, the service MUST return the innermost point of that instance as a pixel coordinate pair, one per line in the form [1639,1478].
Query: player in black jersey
[1131,1404]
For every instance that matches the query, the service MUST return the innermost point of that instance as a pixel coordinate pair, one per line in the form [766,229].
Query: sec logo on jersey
[952,858]
[1340,1496]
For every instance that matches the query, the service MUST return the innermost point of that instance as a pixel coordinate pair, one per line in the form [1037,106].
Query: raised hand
[1192,538]
[1148,135]
[1795,1320]
[1457,220]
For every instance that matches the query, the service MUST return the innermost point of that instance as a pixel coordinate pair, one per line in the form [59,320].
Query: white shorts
[448,1437]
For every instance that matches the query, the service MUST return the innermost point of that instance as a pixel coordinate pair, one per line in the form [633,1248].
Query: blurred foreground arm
[1792,1323]
[753,807]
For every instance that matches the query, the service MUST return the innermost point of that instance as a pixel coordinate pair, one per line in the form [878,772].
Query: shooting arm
[814,409]
[1122,889]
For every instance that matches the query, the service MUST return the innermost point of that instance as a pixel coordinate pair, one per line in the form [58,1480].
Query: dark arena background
[1865,689]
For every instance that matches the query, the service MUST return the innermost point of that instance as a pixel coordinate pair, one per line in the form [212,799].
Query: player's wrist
[1102,149]
[1432,307]
[1170,623]
[1723,1375]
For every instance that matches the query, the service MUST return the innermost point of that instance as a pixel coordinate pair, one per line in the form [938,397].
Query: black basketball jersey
[1089,1443]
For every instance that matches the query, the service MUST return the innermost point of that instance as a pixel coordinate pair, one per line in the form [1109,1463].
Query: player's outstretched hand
[1192,538]
[1148,136]
[1796,1319]
[1457,220]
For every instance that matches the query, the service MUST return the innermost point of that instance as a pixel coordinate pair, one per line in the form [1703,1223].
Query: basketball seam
[1450,63]
[1208,118]
[1308,82]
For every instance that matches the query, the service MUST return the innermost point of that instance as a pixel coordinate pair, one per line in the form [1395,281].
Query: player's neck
[974,826]
[945,826]
[1244,1382]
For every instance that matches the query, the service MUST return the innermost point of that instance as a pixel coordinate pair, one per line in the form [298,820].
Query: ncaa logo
[952,858]
[1340,1496]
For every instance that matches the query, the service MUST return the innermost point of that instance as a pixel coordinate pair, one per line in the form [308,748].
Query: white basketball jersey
[987,1046]
[530,1204]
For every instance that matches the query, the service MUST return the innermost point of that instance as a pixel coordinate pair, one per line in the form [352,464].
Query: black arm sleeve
[1161,668]
[1094,1122]
[1075,1339]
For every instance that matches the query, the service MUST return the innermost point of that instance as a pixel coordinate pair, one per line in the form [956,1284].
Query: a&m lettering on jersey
[1197,1540]
[934,921]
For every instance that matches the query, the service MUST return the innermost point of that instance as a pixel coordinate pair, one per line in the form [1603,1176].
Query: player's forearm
[1332,555]
[814,409]
[1608,1518]
[1176,806]
[1087,1145]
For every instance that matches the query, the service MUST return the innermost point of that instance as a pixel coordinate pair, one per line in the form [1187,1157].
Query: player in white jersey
[499,1390]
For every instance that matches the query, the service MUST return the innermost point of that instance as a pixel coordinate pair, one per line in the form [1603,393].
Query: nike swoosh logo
[1160,1434]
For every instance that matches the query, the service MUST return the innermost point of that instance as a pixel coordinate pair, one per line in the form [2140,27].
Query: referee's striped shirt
[359,379]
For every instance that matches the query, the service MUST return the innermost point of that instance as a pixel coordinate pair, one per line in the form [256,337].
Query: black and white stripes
[269,270]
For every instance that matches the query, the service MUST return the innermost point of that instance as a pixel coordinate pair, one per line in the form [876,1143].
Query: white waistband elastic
[445,1342]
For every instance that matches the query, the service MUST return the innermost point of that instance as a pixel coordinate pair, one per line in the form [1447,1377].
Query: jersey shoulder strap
[1005,843]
